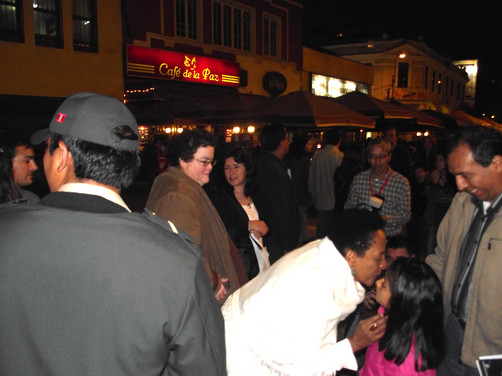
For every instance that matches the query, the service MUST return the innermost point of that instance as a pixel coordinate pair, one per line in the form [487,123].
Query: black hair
[185,145]
[485,143]
[8,189]
[355,229]
[400,241]
[271,136]
[297,147]
[11,142]
[332,137]
[415,311]
[240,156]
[103,164]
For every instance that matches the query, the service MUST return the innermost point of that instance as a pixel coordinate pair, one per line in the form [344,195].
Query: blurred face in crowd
[235,173]
[391,136]
[394,253]
[200,166]
[420,174]
[440,162]
[485,183]
[369,267]
[379,158]
[383,293]
[23,165]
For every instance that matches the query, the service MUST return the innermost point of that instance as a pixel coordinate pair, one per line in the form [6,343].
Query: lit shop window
[325,86]
[11,21]
[84,25]
[231,26]
[47,16]
[187,19]
[270,37]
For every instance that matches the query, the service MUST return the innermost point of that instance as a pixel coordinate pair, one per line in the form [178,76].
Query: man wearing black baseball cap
[86,286]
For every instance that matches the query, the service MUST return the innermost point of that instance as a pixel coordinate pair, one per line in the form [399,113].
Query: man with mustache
[468,255]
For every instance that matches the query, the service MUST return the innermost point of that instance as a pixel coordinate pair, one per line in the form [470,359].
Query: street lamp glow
[236,130]
[251,129]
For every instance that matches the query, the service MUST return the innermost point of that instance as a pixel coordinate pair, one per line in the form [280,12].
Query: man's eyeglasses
[379,157]
[206,162]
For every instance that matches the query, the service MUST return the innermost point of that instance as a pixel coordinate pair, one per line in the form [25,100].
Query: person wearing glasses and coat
[177,196]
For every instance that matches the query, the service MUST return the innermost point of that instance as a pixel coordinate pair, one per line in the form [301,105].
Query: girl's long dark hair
[416,309]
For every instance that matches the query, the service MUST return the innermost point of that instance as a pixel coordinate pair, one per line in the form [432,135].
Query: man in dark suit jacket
[86,286]
[278,192]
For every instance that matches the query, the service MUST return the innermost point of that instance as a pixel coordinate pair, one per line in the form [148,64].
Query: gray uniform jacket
[87,288]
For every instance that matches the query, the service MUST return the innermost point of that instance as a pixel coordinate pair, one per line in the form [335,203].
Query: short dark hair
[8,189]
[11,142]
[400,241]
[485,143]
[271,136]
[103,164]
[185,145]
[355,229]
[378,141]
[416,310]
[240,156]
[332,137]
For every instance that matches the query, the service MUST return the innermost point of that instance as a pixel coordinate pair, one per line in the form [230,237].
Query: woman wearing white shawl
[284,321]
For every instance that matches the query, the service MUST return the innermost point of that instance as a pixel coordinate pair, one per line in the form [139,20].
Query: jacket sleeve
[197,338]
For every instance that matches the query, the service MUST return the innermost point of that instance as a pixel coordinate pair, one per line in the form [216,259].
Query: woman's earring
[352,270]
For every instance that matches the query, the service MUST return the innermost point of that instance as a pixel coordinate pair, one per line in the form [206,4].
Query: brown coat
[178,198]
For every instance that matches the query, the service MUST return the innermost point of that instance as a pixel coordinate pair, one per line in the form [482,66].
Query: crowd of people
[219,275]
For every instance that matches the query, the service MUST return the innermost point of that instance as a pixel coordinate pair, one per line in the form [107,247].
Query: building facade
[51,49]
[409,72]
[203,58]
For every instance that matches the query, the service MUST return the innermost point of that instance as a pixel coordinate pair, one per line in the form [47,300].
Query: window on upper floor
[433,81]
[270,36]
[187,19]
[231,26]
[47,16]
[426,75]
[11,20]
[402,74]
[84,25]
[440,82]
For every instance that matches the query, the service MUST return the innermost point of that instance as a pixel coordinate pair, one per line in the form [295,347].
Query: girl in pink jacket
[413,343]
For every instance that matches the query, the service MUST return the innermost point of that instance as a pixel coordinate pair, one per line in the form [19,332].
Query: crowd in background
[245,218]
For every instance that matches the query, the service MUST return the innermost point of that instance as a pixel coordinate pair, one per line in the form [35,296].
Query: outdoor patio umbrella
[465,119]
[373,107]
[303,109]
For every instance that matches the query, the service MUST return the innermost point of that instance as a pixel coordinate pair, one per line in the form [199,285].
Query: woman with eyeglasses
[178,197]
[240,206]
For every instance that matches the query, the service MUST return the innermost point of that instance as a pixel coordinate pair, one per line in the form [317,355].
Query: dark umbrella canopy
[304,109]
[373,107]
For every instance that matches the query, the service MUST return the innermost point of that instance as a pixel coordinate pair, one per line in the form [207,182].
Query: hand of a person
[368,331]
[222,292]
[258,228]
[369,299]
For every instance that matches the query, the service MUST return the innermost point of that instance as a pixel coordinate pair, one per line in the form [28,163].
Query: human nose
[462,183]
[33,165]
[383,264]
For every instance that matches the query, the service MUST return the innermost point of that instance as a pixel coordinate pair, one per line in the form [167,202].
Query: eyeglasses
[379,157]
[206,162]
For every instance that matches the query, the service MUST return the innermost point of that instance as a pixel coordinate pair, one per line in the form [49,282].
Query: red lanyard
[383,186]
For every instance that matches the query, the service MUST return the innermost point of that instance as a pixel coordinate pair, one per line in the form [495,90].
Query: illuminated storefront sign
[334,87]
[169,65]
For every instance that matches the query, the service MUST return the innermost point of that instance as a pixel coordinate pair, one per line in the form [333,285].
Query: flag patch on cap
[60,118]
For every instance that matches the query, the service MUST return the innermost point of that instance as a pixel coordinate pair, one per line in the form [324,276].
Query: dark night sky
[455,29]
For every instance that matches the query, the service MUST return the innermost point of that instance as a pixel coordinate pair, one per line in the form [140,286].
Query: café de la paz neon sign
[176,66]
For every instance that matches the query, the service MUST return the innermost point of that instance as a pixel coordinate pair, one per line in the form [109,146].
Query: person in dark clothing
[278,192]
[91,288]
